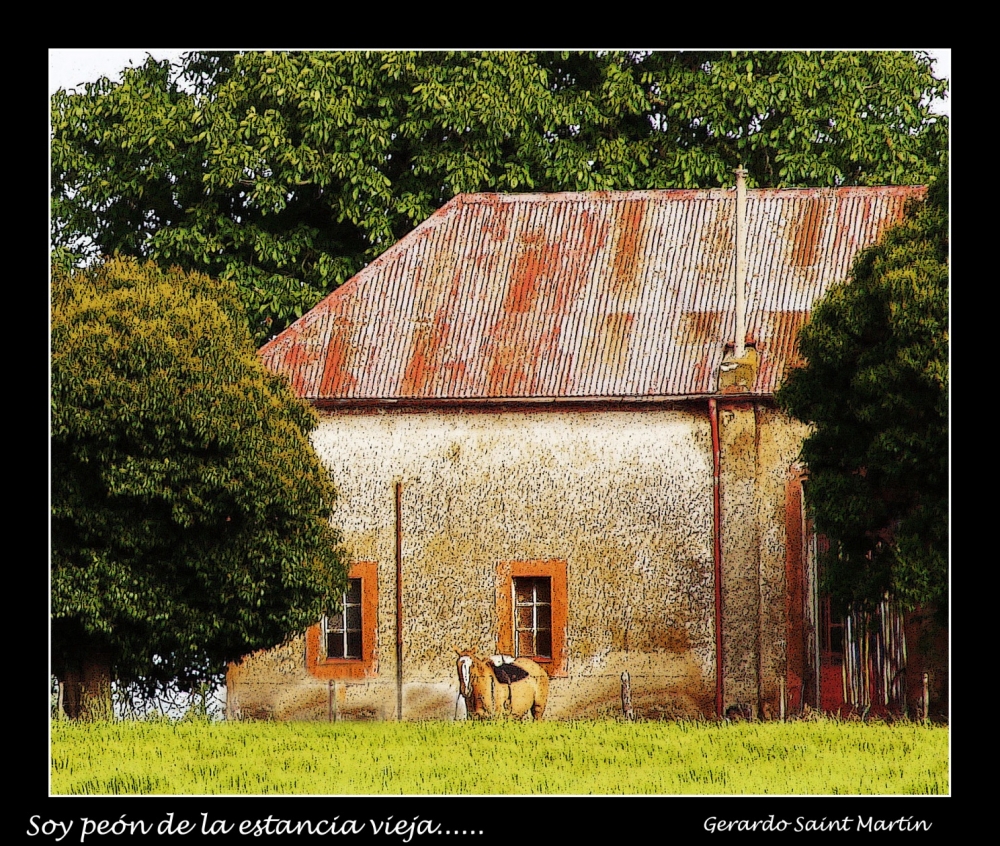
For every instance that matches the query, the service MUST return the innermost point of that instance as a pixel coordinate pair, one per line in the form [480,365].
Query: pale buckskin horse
[501,686]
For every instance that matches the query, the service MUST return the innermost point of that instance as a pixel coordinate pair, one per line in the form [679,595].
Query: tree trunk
[87,688]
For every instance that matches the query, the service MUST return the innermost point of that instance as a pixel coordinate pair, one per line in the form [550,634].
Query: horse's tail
[541,696]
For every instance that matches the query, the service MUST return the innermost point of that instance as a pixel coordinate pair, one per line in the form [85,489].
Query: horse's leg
[537,708]
[541,698]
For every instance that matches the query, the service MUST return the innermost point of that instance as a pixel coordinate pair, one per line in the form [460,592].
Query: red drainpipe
[713,416]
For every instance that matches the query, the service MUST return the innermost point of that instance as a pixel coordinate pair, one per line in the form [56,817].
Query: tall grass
[445,758]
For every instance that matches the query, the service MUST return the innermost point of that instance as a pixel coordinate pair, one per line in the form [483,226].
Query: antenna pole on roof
[741,262]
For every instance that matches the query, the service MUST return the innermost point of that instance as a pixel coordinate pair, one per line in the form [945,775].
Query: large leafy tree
[190,514]
[287,172]
[875,389]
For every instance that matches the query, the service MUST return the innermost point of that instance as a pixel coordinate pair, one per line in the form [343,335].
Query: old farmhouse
[550,418]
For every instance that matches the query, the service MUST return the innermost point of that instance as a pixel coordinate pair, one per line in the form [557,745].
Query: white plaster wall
[625,497]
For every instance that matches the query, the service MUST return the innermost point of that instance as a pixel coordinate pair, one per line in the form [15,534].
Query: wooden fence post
[627,711]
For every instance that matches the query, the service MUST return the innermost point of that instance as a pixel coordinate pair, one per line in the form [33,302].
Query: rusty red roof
[580,295]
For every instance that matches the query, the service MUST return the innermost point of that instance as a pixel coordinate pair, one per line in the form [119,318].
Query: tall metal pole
[399,600]
[741,262]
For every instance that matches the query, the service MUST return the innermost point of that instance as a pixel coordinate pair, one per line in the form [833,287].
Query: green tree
[288,172]
[190,514]
[875,390]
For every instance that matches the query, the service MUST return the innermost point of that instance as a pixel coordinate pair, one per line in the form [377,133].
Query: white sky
[69,68]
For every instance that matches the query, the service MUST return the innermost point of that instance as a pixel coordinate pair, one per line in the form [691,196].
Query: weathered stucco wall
[779,442]
[623,497]
[758,446]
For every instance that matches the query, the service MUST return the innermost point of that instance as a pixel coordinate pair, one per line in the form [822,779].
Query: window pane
[524,616]
[354,617]
[523,590]
[543,590]
[335,645]
[353,645]
[525,644]
[353,594]
[544,647]
[544,616]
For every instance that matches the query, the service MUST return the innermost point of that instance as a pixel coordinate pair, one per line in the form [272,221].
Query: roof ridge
[720,192]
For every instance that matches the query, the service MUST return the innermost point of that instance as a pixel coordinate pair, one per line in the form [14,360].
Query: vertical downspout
[741,262]
[817,657]
[760,582]
[713,416]
[399,601]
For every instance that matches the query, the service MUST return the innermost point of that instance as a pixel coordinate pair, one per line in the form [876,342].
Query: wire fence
[168,702]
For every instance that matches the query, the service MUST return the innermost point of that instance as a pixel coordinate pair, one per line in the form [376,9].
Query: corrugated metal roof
[580,295]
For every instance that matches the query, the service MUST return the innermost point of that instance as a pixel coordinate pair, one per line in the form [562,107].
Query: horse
[501,686]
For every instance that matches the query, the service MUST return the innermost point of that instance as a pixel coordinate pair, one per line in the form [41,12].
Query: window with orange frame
[342,646]
[532,612]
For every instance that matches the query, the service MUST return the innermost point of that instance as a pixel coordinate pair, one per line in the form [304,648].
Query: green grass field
[524,758]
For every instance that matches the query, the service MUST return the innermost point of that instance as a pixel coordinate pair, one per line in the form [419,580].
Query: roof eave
[430,403]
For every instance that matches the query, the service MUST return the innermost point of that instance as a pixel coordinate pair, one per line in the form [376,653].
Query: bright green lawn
[579,757]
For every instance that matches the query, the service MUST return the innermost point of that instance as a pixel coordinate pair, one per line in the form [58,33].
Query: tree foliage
[287,172]
[190,514]
[875,389]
